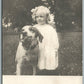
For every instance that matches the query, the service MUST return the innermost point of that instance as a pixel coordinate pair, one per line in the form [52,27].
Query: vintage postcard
[42,42]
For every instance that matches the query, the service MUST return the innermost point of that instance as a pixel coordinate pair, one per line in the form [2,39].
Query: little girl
[48,58]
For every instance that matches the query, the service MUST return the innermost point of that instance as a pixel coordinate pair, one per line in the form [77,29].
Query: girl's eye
[38,16]
[41,16]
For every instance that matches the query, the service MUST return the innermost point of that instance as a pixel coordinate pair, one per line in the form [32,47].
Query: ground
[70,54]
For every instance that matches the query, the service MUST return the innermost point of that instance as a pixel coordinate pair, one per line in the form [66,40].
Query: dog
[28,48]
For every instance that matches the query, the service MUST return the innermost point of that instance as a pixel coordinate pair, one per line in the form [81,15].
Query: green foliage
[65,11]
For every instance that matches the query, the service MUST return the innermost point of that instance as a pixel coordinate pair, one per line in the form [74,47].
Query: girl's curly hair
[44,10]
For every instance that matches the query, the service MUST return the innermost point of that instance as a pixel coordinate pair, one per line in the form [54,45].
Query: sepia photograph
[42,37]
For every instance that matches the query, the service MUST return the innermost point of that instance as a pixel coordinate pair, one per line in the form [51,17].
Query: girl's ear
[48,18]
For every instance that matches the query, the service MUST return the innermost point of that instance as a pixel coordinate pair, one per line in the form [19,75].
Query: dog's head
[28,38]
[29,43]
[25,32]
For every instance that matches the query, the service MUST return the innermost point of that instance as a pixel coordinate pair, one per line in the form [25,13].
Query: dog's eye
[22,29]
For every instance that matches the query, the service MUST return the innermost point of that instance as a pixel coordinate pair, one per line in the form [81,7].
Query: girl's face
[41,19]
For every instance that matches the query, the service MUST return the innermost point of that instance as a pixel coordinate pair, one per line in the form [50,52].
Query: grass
[70,54]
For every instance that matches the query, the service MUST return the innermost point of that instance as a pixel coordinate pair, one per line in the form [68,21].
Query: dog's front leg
[34,70]
[18,67]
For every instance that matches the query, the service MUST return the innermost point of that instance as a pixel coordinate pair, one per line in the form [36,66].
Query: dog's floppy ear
[37,33]
[40,37]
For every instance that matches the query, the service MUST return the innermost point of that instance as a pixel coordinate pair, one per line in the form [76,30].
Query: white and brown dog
[28,48]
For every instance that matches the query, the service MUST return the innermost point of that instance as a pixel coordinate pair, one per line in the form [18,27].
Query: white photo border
[39,79]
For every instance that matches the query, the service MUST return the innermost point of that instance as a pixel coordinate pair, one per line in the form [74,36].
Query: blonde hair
[43,10]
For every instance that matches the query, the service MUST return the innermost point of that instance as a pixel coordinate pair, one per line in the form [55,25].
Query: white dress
[48,58]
